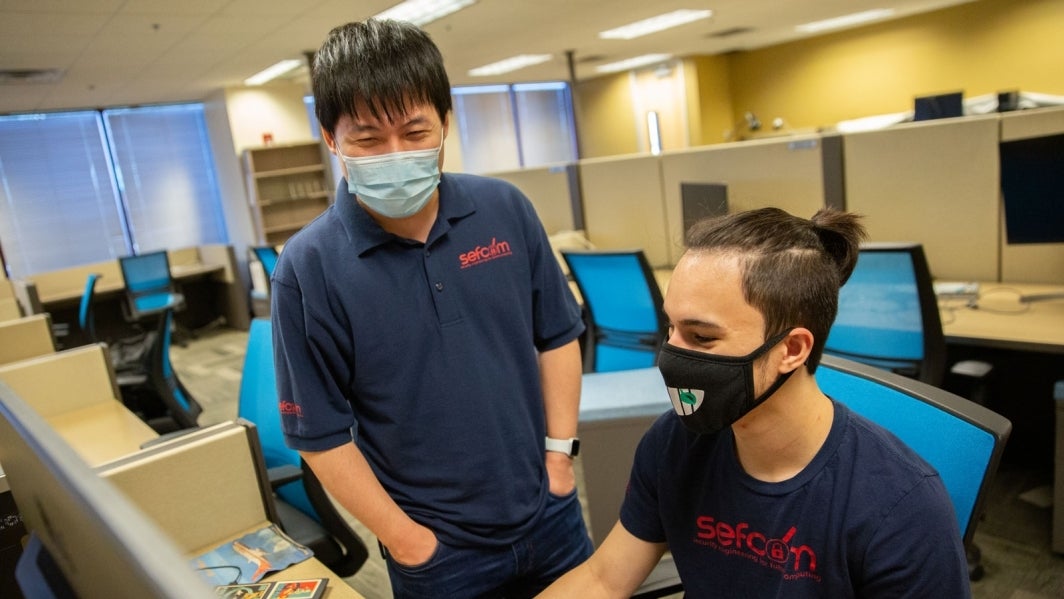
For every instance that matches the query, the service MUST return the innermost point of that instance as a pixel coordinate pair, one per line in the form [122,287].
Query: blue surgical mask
[394,185]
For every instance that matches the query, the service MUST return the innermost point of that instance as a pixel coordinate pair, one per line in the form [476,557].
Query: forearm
[614,571]
[560,375]
[347,476]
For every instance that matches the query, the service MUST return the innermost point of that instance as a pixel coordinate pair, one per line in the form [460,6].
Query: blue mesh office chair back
[267,255]
[624,307]
[86,317]
[149,286]
[888,315]
[258,403]
[962,440]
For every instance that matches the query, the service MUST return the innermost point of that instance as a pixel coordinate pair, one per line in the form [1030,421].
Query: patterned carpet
[1014,535]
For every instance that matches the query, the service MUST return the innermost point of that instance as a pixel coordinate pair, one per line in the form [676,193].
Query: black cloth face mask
[711,392]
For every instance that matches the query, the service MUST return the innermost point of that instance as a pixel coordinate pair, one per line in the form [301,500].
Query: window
[505,127]
[88,186]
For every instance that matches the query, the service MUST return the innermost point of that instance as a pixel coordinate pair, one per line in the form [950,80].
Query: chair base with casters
[153,390]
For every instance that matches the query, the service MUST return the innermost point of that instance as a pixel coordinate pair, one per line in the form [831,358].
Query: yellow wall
[605,118]
[982,47]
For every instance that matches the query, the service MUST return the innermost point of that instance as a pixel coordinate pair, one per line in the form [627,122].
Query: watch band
[570,447]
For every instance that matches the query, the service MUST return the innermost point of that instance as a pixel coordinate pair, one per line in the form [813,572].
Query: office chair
[300,494]
[961,439]
[150,289]
[888,315]
[267,256]
[86,317]
[623,305]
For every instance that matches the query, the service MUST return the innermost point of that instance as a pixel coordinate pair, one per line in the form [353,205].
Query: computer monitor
[103,546]
[1032,186]
[938,106]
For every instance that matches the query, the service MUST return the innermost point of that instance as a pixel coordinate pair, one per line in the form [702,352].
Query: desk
[102,432]
[1002,321]
[616,408]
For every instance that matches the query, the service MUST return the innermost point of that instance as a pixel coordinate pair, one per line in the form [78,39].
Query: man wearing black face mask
[759,484]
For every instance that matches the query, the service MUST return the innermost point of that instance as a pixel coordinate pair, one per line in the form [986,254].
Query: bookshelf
[288,186]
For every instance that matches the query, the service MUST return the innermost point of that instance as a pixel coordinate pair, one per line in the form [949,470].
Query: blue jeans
[555,545]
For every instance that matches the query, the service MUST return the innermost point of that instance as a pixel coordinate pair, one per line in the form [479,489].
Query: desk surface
[102,432]
[312,568]
[1000,319]
[110,285]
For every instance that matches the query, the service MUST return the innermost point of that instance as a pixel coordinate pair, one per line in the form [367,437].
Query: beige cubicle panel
[550,191]
[624,207]
[1037,262]
[9,307]
[26,337]
[935,183]
[786,173]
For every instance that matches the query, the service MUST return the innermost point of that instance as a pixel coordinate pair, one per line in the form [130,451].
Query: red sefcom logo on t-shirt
[782,554]
[482,254]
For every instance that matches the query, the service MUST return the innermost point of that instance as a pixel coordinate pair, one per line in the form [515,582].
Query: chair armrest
[282,475]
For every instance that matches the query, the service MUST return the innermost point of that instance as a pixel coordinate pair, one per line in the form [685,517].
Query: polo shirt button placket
[439,286]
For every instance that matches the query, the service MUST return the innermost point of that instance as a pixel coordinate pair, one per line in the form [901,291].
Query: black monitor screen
[1032,185]
[941,106]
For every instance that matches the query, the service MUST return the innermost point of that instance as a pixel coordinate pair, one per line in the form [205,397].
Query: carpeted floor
[1014,535]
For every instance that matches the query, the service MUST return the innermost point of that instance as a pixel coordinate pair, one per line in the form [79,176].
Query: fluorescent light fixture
[655,24]
[274,71]
[654,131]
[509,64]
[857,18]
[423,12]
[632,63]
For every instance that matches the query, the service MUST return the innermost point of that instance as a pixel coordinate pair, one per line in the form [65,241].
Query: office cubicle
[554,193]
[935,183]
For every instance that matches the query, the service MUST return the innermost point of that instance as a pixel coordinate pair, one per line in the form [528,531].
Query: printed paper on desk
[254,555]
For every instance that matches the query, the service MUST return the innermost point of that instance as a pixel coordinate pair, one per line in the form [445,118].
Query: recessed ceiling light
[850,20]
[509,64]
[423,12]
[631,63]
[273,71]
[655,24]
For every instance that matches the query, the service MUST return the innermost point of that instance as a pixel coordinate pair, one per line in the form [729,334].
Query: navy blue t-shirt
[428,353]
[866,518]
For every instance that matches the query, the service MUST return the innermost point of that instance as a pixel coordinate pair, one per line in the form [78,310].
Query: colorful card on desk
[309,588]
[250,557]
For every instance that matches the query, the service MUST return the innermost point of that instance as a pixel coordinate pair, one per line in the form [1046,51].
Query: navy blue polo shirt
[427,354]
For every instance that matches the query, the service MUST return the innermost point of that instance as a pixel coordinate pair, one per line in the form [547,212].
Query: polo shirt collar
[364,232]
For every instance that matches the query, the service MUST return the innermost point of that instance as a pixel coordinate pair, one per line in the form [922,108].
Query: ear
[329,140]
[446,124]
[796,346]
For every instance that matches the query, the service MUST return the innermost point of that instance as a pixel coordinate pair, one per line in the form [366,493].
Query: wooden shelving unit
[288,186]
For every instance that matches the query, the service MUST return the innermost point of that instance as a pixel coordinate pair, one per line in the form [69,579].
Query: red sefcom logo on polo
[782,553]
[482,254]
[292,409]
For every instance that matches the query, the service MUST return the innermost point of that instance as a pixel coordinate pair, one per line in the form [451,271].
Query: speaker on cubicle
[702,200]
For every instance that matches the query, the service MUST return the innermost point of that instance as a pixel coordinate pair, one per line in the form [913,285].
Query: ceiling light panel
[655,24]
[273,71]
[509,64]
[631,63]
[423,12]
[857,18]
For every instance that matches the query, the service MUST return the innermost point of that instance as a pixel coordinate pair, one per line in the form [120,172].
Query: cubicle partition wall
[9,307]
[624,207]
[1036,262]
[785,172]
[935,183]
[554,192]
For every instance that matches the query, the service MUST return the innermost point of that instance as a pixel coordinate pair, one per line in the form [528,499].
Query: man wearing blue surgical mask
[427,340]
[758,483]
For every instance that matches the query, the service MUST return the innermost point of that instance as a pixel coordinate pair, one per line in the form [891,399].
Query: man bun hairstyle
[791,268]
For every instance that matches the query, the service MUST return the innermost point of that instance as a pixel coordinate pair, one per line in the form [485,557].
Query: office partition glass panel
[544,123]
[485,122]
[166,177]
[58,201]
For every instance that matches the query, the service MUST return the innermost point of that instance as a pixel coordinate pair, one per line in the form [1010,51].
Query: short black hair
[792,268]
[381,65]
